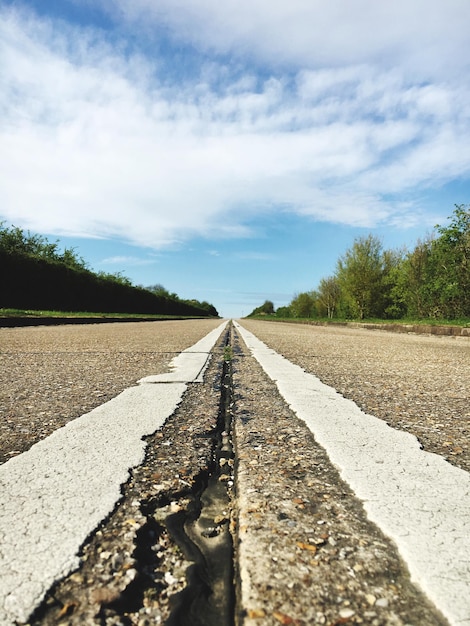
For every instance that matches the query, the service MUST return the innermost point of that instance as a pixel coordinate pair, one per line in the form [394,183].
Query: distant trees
[284,312]
[360,275]
[36,274]
[204,306]
[412,285]
[158,290]
[450,260]
[304,304]
[430,281]
[329,294]
[267,308]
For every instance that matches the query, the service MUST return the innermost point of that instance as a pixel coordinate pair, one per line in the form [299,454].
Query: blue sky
[232,151]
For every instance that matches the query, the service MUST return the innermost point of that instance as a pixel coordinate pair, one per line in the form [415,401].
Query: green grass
[463,322]
[228,353]
[80,314]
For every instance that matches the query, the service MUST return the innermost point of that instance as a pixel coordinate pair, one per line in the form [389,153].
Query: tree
[116,277]
[360,274]
[329,293]
[392,306]
[267,308]
[450,255]
[284,312]
[14,240]
[204,306]
[304,304]
[411,290]
[158,290]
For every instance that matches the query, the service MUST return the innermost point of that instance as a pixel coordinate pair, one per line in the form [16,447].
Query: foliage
[360,274]
[451,260]
[430,282]
[284,312]
[329,294]
[37,275]
[14,240]
[410,292]
[158,290]
[304,304]
[267,308]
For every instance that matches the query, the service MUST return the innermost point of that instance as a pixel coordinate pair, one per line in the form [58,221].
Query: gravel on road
[416,383]
[50,375]
[305,552]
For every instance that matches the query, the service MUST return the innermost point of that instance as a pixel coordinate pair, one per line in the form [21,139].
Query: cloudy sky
[233,150]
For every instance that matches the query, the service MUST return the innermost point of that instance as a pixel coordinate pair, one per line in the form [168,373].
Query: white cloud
[127,260]
[94,144]
[426,35]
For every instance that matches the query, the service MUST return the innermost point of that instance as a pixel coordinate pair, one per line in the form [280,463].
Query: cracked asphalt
[305,550]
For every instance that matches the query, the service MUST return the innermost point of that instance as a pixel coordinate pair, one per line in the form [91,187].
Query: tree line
[432,281]
[37,275]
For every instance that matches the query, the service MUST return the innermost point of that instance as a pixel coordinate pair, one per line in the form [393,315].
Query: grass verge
[463,323]
[80,314]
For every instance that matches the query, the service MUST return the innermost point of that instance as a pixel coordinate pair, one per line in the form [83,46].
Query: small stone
[104,595]
[382,602]
[76,578]
[131,574]
[346,613]
[170,579]
[371,599]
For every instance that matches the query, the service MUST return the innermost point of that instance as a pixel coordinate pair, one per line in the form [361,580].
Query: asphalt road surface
[50,375]
[334,511]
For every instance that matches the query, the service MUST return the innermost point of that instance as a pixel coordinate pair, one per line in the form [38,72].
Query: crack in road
[236,515]
[168,546]
[202,530]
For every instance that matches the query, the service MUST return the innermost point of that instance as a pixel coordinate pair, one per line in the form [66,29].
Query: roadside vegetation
[429,284]
[6,313]
[36,275]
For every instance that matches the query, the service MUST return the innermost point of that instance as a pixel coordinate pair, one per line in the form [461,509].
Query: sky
[232,151]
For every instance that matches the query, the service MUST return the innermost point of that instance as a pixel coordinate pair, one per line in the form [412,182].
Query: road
[52,374]
[334,516]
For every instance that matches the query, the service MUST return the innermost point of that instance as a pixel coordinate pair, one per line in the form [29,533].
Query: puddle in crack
[202,531]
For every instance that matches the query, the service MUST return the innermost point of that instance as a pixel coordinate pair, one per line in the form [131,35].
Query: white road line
[190,364]
[417,498]
[55,494]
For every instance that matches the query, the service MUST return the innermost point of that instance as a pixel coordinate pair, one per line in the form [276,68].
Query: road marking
[418,499]
[55,494]
[190,364]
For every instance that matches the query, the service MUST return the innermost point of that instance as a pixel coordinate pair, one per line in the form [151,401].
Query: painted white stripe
[190,364]
[55,494]
[417,498]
